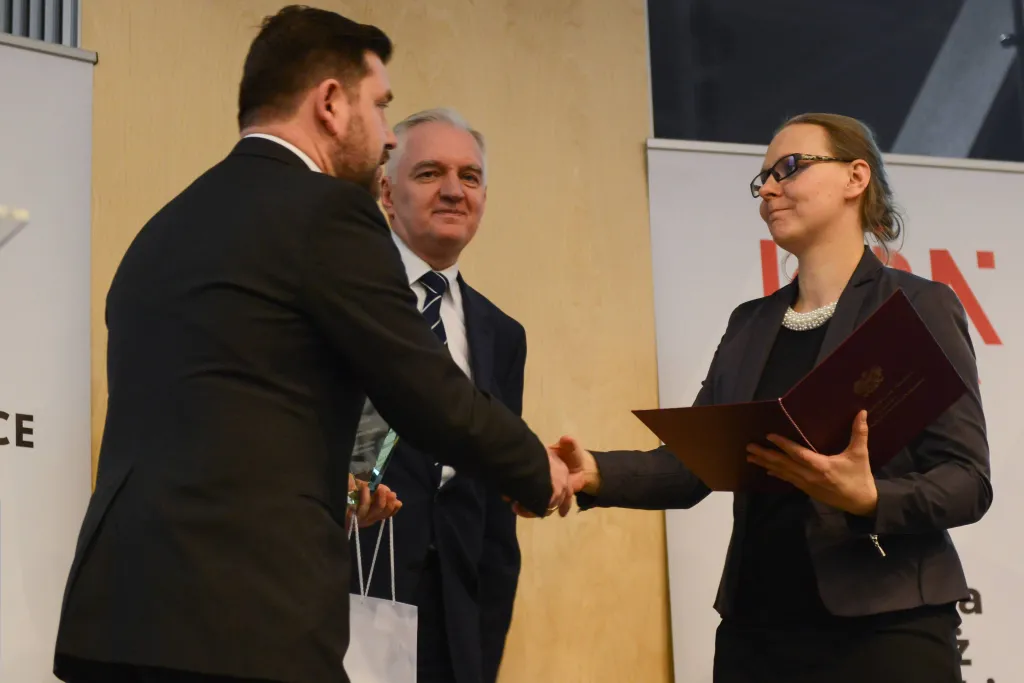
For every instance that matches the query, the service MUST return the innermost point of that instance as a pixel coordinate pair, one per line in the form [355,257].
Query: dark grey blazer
[939,482]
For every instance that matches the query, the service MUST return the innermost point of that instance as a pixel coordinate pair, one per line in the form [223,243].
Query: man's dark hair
[297,48]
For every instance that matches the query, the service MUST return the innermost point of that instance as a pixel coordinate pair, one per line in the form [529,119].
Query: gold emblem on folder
[869,382]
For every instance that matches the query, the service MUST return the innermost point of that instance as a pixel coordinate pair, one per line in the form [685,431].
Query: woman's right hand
[583,472]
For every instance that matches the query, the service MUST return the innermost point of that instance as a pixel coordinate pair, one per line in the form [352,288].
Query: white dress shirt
[453,315]
[284,143]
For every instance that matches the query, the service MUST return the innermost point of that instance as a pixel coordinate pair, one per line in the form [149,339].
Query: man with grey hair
[456,553]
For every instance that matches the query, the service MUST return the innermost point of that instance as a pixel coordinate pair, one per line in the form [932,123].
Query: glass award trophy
[375,441]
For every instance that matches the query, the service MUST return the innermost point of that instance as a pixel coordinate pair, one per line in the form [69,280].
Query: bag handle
[354,527]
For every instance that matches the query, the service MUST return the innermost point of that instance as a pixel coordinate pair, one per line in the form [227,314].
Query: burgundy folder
[890,366]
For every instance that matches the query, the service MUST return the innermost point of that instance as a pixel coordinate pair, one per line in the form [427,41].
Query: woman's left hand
[843,481]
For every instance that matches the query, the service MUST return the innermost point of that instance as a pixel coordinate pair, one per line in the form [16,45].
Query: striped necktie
[436,285]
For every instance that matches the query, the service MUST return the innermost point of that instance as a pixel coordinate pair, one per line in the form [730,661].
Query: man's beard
[354,162]
[378,176]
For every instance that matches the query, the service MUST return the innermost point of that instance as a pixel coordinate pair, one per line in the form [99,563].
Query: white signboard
[45,170]
[711,252]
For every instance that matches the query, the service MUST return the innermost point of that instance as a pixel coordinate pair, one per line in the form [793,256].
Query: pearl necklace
[801,322]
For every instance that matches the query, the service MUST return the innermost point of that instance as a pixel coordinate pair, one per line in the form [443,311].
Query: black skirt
[917,646]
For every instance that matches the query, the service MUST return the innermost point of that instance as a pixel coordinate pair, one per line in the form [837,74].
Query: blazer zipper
[874,539]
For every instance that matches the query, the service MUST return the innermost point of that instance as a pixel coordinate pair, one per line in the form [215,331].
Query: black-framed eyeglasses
[785,167]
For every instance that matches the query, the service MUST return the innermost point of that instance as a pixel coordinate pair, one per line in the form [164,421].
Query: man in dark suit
[248,321]
[456,552]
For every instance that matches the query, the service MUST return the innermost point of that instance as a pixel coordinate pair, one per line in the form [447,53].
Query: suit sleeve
[654,480]
[951,486]
[357,294]
[501,560]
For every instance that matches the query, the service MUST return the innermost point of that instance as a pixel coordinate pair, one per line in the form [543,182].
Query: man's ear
[386,200]
[331,106]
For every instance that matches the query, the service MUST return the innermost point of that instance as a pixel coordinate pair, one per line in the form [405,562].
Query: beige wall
[560,88]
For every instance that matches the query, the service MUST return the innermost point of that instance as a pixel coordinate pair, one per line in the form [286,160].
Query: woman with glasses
[852,575]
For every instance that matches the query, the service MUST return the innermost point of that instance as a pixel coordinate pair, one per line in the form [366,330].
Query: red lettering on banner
[770,264]
[944,269]
[896,259]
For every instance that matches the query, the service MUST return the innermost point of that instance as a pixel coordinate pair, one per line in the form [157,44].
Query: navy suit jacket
[472,528]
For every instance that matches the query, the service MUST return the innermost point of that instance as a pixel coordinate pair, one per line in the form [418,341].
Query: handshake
[573,469]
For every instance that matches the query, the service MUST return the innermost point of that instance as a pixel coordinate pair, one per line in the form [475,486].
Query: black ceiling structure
[733,70]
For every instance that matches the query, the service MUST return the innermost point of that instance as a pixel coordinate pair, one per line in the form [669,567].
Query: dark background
[734,70]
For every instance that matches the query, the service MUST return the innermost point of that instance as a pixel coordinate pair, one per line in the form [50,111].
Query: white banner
[711,252]
[45,172]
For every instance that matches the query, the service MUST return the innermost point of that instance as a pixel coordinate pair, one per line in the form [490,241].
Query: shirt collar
[292,148]
[415,267]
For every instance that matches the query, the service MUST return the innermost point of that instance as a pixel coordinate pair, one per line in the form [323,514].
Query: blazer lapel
[850,311]
[479,337]
[757,343]
[763,329]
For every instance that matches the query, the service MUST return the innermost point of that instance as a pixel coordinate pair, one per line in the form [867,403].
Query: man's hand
[582,474]
[381,504]
[561,498]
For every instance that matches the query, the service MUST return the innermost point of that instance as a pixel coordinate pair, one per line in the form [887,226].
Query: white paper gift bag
[382,642]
